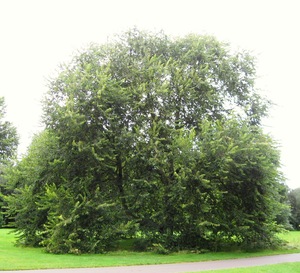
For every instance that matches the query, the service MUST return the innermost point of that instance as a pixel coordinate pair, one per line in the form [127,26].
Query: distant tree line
[155,138]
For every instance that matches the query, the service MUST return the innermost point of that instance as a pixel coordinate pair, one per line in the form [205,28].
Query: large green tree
[161,136]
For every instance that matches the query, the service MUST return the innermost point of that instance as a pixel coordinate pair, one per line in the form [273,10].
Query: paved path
[179,268]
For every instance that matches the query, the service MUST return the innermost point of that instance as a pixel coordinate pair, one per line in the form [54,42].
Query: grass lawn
[16,258]
[278,268]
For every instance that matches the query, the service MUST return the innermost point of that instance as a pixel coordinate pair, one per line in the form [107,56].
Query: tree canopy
[155,137]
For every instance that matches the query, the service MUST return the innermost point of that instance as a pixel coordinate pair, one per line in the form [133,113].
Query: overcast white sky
[38,35]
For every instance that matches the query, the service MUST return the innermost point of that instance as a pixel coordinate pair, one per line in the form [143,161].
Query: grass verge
[278,268]
[17,258]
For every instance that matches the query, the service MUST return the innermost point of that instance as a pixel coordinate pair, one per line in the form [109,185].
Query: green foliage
[159,249]
[26,182]
[141,244]
[294,198]
[8,148]
[77,225]
[153,136]
[8,136]
[28,218]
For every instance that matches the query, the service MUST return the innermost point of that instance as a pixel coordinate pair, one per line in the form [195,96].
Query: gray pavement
[180,268]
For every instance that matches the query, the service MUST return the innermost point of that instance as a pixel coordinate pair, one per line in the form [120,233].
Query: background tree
[8,148]
[160,136]
[25,181]
[294,198]
[8,136]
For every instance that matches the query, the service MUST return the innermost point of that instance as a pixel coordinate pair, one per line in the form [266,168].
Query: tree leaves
[8,136]
[158,136]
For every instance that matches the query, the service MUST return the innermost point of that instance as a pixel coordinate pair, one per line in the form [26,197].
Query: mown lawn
[278,268]
[16,258]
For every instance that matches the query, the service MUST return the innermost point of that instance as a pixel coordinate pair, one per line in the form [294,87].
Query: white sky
[38,35]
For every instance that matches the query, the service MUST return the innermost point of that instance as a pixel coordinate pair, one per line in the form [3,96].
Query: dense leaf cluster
[150,137]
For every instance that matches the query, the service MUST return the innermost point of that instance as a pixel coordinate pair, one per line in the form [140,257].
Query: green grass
[278,268]
[292,238]
[16,258]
